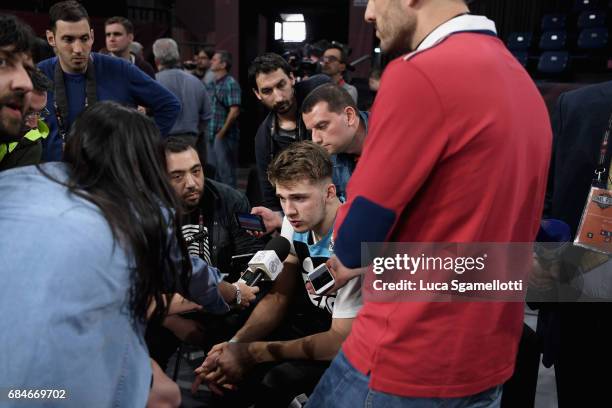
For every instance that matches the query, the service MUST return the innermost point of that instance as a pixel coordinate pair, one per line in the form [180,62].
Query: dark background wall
[246,29]
[519,15]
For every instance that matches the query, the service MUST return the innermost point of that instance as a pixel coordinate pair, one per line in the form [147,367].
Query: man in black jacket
[210,226]
[209,207]
[272,81]
[576,337]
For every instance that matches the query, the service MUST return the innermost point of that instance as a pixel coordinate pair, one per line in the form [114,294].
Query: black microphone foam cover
[280,245]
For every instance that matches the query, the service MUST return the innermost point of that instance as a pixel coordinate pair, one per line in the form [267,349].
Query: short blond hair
[301,161]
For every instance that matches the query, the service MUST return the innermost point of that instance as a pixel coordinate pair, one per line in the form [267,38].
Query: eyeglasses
[43,114]
[330,58]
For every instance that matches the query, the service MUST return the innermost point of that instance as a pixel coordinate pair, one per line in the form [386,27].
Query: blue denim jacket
[344,165]
[64,298]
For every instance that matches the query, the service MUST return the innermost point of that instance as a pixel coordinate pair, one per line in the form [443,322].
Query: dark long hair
[116,162]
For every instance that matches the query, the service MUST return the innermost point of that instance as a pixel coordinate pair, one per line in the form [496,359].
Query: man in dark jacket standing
[576,335]
[273,83]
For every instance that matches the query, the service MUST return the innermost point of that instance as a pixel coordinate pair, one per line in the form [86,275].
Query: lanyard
[600,181]
[60,102]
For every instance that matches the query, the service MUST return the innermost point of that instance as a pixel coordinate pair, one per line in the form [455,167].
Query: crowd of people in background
[119,197]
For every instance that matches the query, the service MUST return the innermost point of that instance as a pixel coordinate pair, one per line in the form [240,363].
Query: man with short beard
[457,152]
[81,78]
[16,40]
[272,81]
[202,59]
[209,208]
[28,150]
[210,225]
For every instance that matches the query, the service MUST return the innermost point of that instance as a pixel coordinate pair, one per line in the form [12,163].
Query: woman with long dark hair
[88,247]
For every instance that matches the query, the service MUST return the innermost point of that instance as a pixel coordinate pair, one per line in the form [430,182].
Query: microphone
[268,263]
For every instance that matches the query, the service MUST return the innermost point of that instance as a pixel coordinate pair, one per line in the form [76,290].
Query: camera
[189,65]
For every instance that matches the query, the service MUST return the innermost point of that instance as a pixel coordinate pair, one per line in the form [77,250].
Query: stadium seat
[591,19]
[519,41]
[553,22]
[553,40]
[582,5]
[553,62]
[593,38]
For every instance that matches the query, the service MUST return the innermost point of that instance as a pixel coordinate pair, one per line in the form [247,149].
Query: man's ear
[331,191]
[410,3]
[292,78]
[256,93]
[50,38]
[91,35]
[131,37]
[351,116]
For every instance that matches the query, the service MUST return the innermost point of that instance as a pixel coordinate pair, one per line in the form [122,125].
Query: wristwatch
[238,294]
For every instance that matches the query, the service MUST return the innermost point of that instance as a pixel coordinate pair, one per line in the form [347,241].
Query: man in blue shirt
[195,111]
[82,78]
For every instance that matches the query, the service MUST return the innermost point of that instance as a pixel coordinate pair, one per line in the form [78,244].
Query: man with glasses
[334,65]
[203,59]
[29,149]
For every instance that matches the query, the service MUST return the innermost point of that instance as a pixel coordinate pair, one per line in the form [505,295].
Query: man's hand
[234,362]
[220,136]
[209,366]
[209,371]
[217,349]
[248,294]
[272,220]
[341,273]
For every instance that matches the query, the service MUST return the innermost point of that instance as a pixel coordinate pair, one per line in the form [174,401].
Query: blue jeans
[342,386]
[223,155]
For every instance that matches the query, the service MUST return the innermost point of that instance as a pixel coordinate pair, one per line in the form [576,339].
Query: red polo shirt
[458,149]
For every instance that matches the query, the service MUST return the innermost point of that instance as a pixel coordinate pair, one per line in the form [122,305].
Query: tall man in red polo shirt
[457,151]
